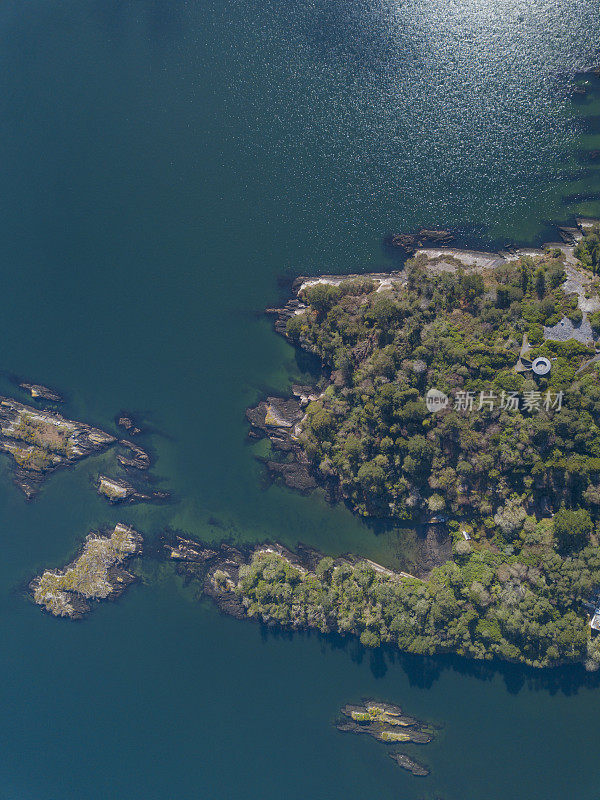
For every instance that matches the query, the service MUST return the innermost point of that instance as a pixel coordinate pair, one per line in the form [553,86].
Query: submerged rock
[127,422]
[410,764]
[40,392]
[42,441]
[96,574]
[138,458]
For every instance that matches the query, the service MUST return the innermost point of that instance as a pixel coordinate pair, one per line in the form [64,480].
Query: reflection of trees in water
[424,671]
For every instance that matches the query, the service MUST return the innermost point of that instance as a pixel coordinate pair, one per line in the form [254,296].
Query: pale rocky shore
[96,574]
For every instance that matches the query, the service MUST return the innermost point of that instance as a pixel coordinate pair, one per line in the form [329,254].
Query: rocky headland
[96,574]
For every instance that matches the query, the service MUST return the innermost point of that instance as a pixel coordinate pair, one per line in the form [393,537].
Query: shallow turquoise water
[164,165]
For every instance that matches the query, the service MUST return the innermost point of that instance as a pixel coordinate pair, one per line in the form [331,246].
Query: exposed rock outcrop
[127,422]
[277,418]
[117,490]
[409,242]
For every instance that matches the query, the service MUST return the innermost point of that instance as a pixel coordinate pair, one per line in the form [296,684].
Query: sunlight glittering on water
[457,112]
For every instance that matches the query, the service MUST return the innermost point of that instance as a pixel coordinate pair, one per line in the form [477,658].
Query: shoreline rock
[139,458]
[409,242]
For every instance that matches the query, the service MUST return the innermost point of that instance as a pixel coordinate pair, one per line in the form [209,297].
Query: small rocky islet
[97,573]
[388,724]
[40,441]
[40,392]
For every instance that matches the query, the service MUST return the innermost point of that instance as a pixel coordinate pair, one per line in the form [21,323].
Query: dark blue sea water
[165,167]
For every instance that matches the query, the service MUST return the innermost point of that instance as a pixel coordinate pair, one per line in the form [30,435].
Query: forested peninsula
[509,462]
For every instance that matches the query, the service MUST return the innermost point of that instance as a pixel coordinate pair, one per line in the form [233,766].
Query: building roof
[541,366]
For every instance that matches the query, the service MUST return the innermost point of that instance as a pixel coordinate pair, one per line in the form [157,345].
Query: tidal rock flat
[96,574]
[42,441]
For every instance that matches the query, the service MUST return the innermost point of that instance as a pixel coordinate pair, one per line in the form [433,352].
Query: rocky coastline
[218,571]
[41,440]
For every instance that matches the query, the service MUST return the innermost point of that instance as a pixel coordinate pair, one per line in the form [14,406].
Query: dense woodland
[483,604]
[457,332]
